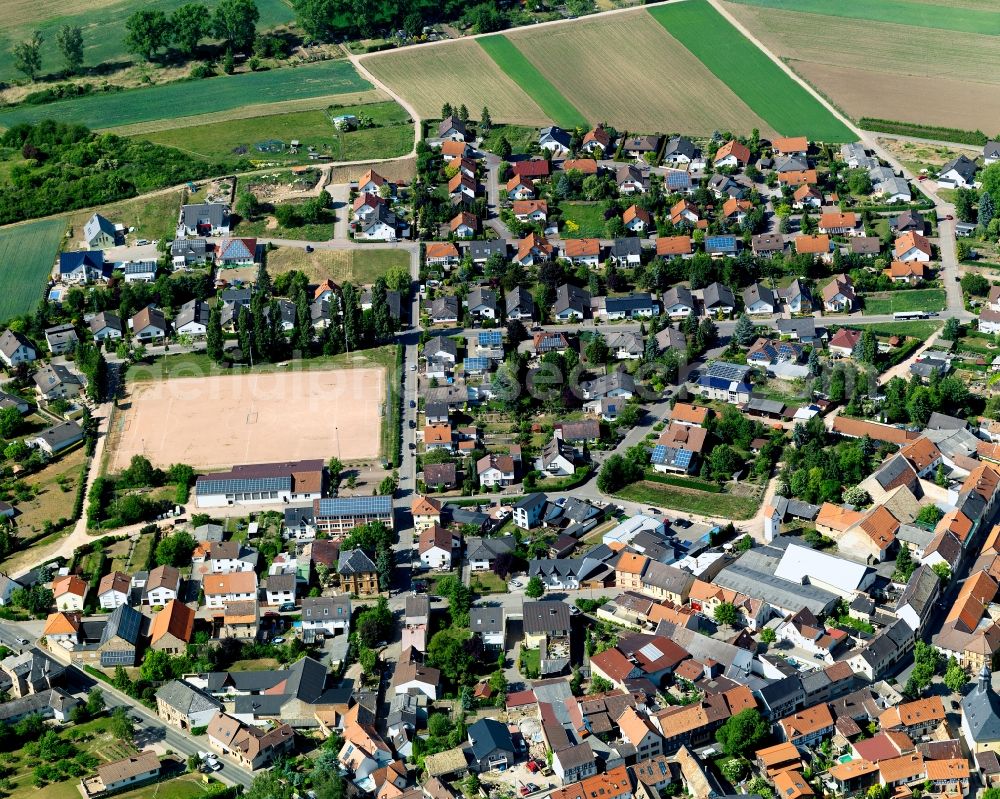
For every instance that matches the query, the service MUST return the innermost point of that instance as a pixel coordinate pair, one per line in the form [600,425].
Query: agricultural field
[206,96]
[456,72]
[153,216]
[525,74]
[360,266]
[902,12]
[593,64]
[27,253]
[868,67]
[103,25]
[736,61]
[907,300]
[215,142]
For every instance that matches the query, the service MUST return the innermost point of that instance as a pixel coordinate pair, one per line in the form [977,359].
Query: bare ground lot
[218,421]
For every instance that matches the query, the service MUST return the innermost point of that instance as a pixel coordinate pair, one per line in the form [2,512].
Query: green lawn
[487,583]
[200,97]
[27,252]
[200,365]
[215,142]
[693,501]
[582,220]
[757,80]
[526,75]
[312,231]
[104,32]
[153,217]
[518,137]
[914,329]
[906,300]
[901,12]
[531,662]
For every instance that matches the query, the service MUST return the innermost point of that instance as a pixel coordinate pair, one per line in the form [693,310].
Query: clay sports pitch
[219,421]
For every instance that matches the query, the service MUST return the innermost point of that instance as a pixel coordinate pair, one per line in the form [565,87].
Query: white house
[329,615]
[495,470]
[113,590]
[162,585]
[435,548]
[16,349]
[220,589]
[279,589]
[912,246]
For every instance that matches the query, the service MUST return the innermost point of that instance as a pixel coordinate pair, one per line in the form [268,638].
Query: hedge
[957,135]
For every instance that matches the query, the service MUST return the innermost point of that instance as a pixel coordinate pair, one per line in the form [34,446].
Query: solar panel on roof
[727,371]
[490,338]
[117,658]
[720,242]
[353,506]
[477,364]
[659,453]
[243,486]
[683,458]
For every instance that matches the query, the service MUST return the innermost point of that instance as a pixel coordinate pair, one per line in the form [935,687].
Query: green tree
[744,333]
[742,732]
[28,55]
[247,204]
[597,350]
[175,550]
[990,178]
[943,571]
[214,342]
[318,18]
[905,565]
[768,635]
[955,677]
[485,121]
[867,347]
[95,701]
[155,666]
[448,652]
[859,181]
[235,21]
[535,587]
[188,25]
[725,614]
[70,41]
[987,209]
[975,285]
[121,726]
[11,422]
[146,31]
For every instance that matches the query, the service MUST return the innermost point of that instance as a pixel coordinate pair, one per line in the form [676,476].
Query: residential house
[959,173]
[533,249]
[451,128]
[358,574]
[181,704]
[106,325]
[838,223]
[113,590]
[61,339]
[327,615]
[435,548]
[912,246]
[596,141]
[718,300]
[54,381]
[527,511]
[674,247]
[678,303]
[519,188]
[809,726]
[203,219]
[636,219]
[464,225]
[583,251]
[69,592]
[732,154]
[15,349]
[221,589]
[766,245]
[554,139]
[482,303]
[797,297]
[818,245]
[442,253]
[236,252]
[626,252]
[838,294]
[488,623]
[572,303]
[100,233]
[758,299]
[250,746]
[639,146]
[56,438]
[149,324]
[679,150]
[172,628]
[84,267]
[492,746]
[519,303]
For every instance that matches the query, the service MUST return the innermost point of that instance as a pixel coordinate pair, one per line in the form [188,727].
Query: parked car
[413,404]
[286,607]
[278,640]
[532,766]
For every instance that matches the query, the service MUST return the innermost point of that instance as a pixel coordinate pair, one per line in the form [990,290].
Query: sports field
[593,63]
[103,25]
[217,421]
[200,97]
[214,142]
[526,75]
[459,73]
[738,63]
[869,67]
[941,15]
[27,253]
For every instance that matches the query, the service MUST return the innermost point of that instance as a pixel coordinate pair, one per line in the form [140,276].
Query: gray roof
[604,384]
[192,311]
[753,575]
[106,319]
[217,214]
[757,292]
[941,421]
[125,622]
[981,710]
[488,735]
[623,247]
[61,434]
[280,582]
[964,165]
[185,698]
[11,340]
[325,607]
[35,703]
[445,307]
[417,605]
[55,374]
[486,620]
[98,224]
[488,548]
[440,345]
[545,616]
[678,295]
[196,248]
[669,578]
[571,297]
[679,145]
[991,149]
[482,250]
[519,299]
[482,295]
[922,588]
[354,561]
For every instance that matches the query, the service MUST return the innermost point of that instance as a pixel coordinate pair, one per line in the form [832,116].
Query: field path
[356,60]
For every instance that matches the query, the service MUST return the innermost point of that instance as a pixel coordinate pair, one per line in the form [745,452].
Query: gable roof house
[838,294]
[519,303]
[533,248]
[596,141]
[571,303]
[758,299]
[492,746]
[54,381]
[84,266]
[554,140]
[203,219]
[16,349]
[674,247]
[148,324]
[61,339]
[582,251]
[959,173]
[99,233]
[172,627]
[732,154]
[631,179]
[106,325]
[912,246]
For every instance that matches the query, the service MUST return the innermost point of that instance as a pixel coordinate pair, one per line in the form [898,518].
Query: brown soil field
[861,92]
[399,170]
[220,421]
[360,267]
[597,66]
[889,71]
[457,72]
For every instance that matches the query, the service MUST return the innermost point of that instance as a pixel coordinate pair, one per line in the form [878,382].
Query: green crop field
[27,253]
[201,97]
[902,12]
[103,26]
[514,63]
[906,300]
[752,76]
[214,142]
